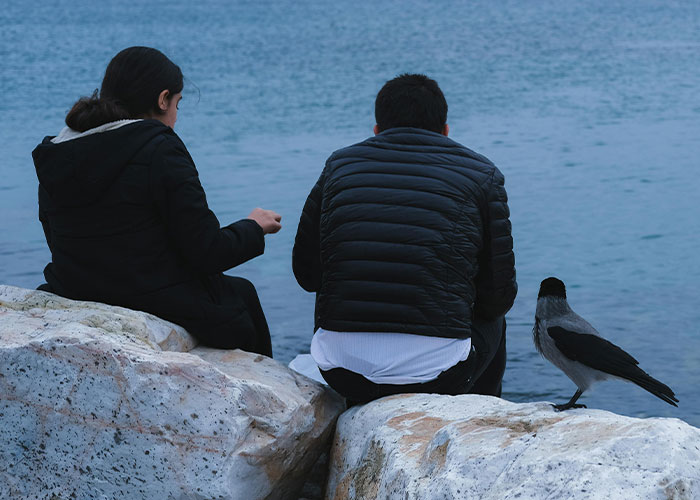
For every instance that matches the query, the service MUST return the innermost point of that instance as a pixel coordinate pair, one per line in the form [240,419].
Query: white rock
[457,447]
[42,308]
[94,409]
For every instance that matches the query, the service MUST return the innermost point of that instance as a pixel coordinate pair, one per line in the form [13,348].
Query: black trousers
[480,373]
[248,331]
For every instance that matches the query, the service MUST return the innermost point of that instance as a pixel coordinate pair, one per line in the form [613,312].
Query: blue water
[591,110]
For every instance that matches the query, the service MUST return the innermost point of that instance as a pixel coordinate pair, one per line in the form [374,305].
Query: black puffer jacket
[127,222]
[406,232]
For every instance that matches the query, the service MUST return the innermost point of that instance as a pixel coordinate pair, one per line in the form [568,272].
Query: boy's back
[405,234]
[402,224]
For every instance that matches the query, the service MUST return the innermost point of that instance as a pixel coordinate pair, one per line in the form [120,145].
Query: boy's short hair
[411,100]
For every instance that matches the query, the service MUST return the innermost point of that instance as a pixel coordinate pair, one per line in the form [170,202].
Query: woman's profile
[126,218]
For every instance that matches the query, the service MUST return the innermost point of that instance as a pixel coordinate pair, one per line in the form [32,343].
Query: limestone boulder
[457,447]
[36,311]
[91,406]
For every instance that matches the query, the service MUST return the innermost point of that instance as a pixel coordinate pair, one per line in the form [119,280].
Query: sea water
[590,109]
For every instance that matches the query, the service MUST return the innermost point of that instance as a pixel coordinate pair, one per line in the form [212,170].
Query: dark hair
[132,83]
[411,101]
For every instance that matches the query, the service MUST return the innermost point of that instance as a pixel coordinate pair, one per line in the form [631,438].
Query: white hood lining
[68,134]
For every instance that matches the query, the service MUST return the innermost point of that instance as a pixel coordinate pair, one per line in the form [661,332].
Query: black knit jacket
[406,232]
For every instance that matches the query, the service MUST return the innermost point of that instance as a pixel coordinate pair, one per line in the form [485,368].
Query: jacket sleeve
[191,225]
[306,255]
[496,287]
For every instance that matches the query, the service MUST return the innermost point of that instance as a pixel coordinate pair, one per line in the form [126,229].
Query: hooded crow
[576,348]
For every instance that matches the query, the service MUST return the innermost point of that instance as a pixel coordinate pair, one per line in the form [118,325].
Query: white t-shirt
[388,358]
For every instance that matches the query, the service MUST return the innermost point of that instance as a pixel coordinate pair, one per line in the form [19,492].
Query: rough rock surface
[90,407]
[444,447]
[28,312]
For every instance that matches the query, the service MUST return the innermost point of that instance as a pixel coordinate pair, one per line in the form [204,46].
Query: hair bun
[93,111]
[93,100]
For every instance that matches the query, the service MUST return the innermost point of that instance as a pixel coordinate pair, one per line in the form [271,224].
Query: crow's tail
[649,383]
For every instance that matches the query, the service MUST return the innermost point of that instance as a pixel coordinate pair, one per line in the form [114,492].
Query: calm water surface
[591,110]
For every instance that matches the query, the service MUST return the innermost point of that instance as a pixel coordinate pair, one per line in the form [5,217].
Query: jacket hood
[75,169]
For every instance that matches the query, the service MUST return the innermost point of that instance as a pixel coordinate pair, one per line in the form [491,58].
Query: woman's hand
[268,220]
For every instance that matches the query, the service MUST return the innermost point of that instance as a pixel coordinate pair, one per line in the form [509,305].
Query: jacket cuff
[250,236]
[258,234]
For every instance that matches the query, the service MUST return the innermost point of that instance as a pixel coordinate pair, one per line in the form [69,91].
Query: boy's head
[411,101]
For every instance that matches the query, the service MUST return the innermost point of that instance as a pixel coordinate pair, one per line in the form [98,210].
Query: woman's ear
[164,100]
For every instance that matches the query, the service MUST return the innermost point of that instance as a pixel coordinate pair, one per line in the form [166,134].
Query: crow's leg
[571,403]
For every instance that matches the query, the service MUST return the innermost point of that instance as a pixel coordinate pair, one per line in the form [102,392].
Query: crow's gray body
[571,344]
[558,313]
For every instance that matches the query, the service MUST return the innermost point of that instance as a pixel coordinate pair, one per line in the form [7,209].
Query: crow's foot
[571,403]
[567,406]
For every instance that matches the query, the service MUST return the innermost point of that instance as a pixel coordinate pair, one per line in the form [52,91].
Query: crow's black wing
[591,350]
[598,353]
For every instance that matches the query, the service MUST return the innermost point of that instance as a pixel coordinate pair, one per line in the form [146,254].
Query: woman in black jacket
[126,218]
